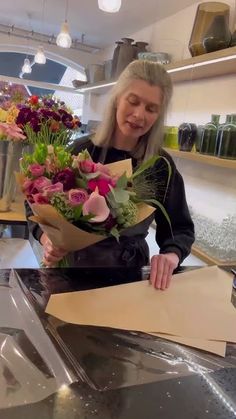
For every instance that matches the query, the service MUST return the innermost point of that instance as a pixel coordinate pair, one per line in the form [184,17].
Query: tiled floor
[18,253]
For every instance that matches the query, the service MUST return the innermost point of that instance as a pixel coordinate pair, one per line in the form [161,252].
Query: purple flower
[35,124]
[25,115]
[62,112]
[49,103]
[48,114]
[67,120]
[66,177]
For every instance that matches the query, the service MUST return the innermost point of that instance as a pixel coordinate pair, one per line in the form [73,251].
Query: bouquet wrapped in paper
[77,202]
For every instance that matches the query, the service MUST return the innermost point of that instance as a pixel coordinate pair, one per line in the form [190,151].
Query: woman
[133,127]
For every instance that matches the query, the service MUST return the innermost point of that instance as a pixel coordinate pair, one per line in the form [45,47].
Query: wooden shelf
[209,259]
[16,215]
[213,64]
[202,158]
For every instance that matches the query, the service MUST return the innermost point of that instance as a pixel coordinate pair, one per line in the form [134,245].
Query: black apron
[131,250]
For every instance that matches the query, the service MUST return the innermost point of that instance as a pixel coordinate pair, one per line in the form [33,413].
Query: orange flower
[55,126]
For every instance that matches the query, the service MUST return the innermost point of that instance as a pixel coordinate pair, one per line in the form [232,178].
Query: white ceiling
[100,29]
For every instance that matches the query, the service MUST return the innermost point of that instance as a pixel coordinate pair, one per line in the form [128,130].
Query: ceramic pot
[125,55]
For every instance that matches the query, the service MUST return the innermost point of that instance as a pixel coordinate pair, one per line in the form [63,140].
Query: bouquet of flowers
[78,202]
[9,130]
[46,120]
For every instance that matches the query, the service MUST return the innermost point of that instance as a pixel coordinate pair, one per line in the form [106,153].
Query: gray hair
[155,75]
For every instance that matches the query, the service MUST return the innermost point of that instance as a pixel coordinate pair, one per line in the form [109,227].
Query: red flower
[33,100]
[101,184]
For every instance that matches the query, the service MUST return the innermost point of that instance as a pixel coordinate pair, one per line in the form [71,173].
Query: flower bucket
[10,153]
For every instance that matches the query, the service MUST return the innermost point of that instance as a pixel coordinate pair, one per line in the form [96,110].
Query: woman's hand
[51,254]
[162,267]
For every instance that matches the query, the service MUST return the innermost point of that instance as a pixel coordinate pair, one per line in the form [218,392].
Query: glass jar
[171,137]
[187,133]
[208,141]
[227,145]
[211,28]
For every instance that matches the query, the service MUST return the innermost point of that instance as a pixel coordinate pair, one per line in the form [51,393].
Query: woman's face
[138,109]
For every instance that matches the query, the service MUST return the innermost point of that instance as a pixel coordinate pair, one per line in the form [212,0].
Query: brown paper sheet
[218,348]
[66,236]
[197,305]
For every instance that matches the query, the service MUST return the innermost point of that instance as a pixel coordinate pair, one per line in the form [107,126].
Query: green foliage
[59,201]
[46,136]
[122,182]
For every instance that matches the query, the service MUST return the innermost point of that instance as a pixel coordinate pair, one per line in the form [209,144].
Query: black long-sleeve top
[178,241]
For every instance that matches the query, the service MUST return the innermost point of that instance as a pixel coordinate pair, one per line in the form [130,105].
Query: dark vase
[208,142]
[187,134]
[115,58]
[211,28]
[125,55]
[227,146]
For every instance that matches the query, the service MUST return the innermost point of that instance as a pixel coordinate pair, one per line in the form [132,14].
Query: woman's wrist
[43,239]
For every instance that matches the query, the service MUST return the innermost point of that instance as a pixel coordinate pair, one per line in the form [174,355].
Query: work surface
[107,373]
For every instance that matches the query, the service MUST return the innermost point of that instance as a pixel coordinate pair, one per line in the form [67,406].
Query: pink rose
[77,197]
[87,166]
[36,169]
[50,190]
[96,205]
[41,183]
[101,184]
[28,187]
[40,198]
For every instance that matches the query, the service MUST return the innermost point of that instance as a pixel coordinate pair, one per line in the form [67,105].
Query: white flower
[50,149]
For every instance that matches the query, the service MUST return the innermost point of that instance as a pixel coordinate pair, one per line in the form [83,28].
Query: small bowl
[157,57]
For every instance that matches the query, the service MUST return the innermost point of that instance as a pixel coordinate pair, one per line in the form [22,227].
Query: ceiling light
[63,38]
[40,56]
[110,6]
[26,66]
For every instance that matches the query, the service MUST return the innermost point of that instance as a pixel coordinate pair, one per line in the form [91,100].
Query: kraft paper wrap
[195,309]
[65,235]
[216,347]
